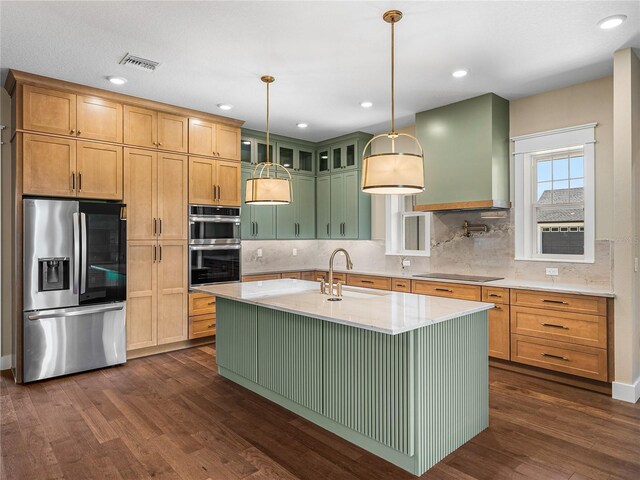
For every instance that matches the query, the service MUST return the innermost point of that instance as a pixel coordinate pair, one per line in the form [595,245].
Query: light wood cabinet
[172,291]
[213,140]
[99,119]
[49,166]
[260,278]
[369,281]
[214,182]
[292,275]
[140,127]
[141,192]
[156,293]
[156,195]
[401,285]
[499,338]
[142,305]
[202,326]
[99,171]
[444,289]
[152,129]
[202,315]
[48,111]
[560,301]
[201,304]
[62,167]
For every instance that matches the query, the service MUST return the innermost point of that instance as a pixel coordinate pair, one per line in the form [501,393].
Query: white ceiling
[326,56]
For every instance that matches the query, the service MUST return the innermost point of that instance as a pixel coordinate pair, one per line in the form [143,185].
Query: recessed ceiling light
[225,106]
[460,73]
[612,22]
[302,125]
[366,104]
[117,80]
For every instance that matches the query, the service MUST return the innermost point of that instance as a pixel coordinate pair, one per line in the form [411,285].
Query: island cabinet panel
[237,339]
[369,281]
[49,111]
[49,166]
[563,357]
[362,367]
[99,170]
[290,356]
[99,119]
[450,290]
[560,301]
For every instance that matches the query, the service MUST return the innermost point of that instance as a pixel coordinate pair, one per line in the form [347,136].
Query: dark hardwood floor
[172,416]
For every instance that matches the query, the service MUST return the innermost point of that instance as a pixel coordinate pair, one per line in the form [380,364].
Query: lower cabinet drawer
[381,283]
[259,278]
[451,290]
[310,276]
[401,285]
[201,304]
[563,357]
[337,277]
[589,330]
[202,326]
[294,275]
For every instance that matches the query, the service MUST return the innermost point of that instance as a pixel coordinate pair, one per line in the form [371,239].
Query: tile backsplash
[490,253]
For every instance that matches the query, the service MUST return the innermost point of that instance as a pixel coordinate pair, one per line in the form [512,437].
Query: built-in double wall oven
[215,251]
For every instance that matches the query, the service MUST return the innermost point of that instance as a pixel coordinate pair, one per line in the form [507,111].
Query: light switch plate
[406,263]
[259,252]
[552,271]
[295,252]
[635,264]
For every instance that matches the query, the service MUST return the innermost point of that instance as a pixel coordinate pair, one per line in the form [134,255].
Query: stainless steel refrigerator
[74,288]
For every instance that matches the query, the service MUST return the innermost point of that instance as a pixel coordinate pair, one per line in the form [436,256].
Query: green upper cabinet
[323,207]
[324,167]
[257,222]
[466,154]
[298,220]
[350,209]
[341,153]
[298,159]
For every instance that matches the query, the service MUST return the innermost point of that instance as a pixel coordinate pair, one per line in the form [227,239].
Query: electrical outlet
[406,263]
[295,252]
[552,271]
[635,264]
[259,252]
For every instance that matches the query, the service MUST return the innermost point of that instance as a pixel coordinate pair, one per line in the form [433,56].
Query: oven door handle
[215,219]
[215,247]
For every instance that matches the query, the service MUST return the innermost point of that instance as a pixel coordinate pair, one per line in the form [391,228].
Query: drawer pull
[401,285]
[497,307]
[559,357]
[558,302]
[495,295]
[555,326]
[443,290]
[212,303]
[210,325]
[366,281]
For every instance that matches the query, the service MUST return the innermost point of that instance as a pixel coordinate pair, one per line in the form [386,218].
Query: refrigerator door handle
[76,312]
[83,238]
[76,253]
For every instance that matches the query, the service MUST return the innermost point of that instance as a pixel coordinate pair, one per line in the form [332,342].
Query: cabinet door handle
[159,144]
[257,228]
[159,226]
[73,180]
[155,227]
[553,325]
[443,290]
[160,257]
[559,357]
[78,132]
[558,302]
[154,254]
[79,181]
[73,131]
[213,188]
[219,195]
[328,230]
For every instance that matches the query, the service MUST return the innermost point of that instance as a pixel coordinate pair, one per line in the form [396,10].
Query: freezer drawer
[69,340]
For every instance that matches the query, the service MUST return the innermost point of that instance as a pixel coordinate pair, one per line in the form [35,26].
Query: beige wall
[565,107]
[5,207]
[626,222]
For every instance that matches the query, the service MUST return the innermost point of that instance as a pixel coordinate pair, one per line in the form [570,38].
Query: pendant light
[392,172]
[265,187]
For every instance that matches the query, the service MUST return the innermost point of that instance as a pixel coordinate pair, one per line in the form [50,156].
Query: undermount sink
[462,278]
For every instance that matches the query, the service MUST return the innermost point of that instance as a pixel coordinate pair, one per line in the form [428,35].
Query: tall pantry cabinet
[156,192]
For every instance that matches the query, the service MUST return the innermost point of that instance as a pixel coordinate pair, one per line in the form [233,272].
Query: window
[407,232]
[555,195]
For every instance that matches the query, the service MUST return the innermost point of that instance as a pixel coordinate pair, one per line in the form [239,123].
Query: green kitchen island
[403,376]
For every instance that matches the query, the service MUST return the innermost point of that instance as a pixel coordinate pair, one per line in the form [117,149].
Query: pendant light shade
[388,171]
[265,187]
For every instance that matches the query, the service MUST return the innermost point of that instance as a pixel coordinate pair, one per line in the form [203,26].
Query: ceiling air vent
[139,63]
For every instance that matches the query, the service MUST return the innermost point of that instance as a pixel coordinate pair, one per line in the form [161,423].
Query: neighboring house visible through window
[555,195]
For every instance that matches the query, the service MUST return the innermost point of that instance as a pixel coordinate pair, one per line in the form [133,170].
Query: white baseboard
[5,362]
[626,392]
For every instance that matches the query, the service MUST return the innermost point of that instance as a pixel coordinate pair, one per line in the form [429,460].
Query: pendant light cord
[268,156]
[393,104]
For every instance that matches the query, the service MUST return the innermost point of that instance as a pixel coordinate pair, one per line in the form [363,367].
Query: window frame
[526,149]
[396,212]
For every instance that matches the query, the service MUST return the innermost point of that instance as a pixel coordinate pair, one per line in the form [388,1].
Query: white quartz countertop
[378,310]
[547,286]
